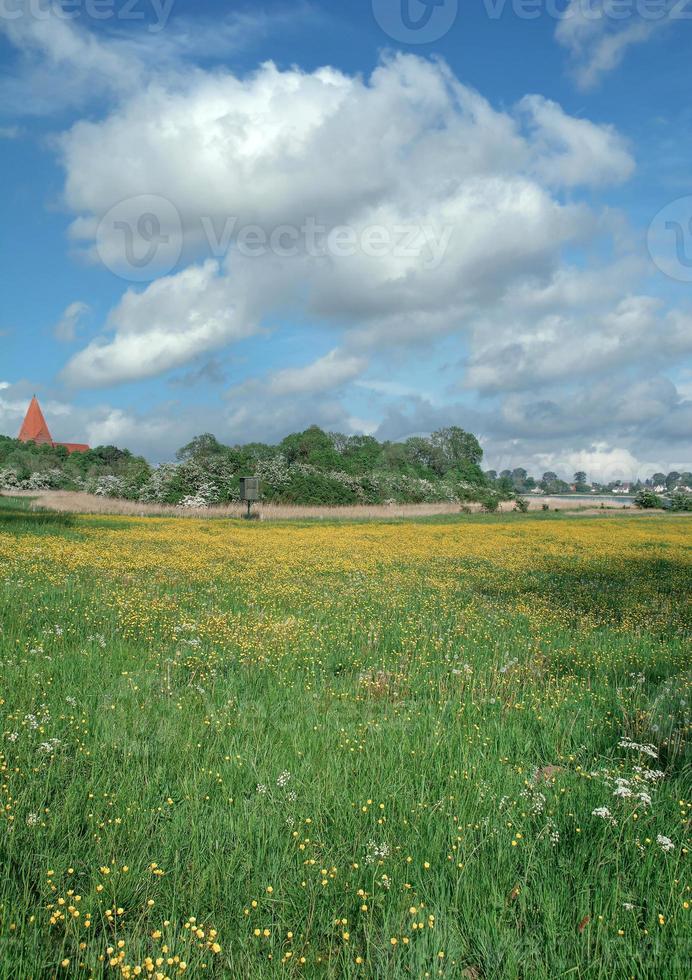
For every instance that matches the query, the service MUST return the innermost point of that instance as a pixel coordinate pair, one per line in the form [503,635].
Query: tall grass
[68,501]
[355,751]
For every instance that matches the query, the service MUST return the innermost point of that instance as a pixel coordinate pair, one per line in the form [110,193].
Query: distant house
[623,488]
[35,429]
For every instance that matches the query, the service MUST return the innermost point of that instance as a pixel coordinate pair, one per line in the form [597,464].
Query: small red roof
[34,428]
[74,447]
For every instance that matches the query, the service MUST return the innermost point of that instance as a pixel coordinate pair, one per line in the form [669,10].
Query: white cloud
[597,35]
[600,462]
[325,374]
[161,328]
[116,427]
[518,350]
[571,152]
[113,63]
[410,151]
[492,196]
[390,388]
[68,325]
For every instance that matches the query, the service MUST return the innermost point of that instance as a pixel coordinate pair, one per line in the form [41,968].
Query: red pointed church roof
[35,429]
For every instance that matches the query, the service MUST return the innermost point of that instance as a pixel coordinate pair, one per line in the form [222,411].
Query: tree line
[310,467]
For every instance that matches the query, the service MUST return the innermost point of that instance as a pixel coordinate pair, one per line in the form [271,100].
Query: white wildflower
[47,748]
[536,800]
[650,750]
[665,843]
[604,813]
[376,852]
[622,788]
[283,778]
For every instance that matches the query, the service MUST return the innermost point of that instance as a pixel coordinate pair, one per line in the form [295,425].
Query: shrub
[647,499]
[490,502]
[681,500]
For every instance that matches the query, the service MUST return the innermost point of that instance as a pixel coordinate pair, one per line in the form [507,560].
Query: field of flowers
[412,749]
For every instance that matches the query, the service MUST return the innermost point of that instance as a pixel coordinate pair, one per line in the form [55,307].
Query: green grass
[411,701]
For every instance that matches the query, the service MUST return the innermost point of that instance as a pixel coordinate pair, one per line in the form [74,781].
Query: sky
[378,216]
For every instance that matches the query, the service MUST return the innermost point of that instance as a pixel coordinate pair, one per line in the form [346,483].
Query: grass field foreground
[450,748]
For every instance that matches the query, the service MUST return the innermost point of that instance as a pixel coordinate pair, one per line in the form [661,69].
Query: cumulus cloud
[561,346]
[571,151]
[448,202]
[161,328]
[643,425]
[291,399]
[325,374]
[444,219]
[149,434]
[600,462]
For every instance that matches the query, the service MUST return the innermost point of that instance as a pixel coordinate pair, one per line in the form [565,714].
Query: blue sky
[490,191]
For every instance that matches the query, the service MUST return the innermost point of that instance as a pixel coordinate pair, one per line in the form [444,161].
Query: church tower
[34,428]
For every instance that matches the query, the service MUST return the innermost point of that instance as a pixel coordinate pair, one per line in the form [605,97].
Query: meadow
[453,747]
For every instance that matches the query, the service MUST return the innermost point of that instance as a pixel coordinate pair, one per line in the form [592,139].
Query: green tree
[456,446]
[201,448]
[580,481]
[313,446]
[519,477]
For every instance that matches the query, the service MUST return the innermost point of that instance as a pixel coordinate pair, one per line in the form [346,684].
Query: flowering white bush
[196,502]
[38,481]
[9,480]
[162,485]
[109,486]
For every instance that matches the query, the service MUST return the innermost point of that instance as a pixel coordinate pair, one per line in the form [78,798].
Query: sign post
[249,492]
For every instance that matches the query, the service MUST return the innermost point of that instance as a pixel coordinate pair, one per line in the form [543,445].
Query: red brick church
[34,429]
